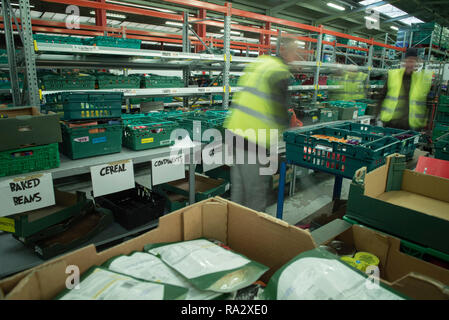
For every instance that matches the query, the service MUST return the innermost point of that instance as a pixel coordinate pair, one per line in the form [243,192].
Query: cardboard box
[25,126]
[413,277]
[407,204]
[258,236]
[288,178]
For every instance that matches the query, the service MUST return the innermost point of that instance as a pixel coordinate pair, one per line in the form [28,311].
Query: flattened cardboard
[258,236]
[26,127]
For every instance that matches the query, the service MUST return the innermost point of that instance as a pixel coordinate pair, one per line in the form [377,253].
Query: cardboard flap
[45,282]
[215,221]
[192,223]
[418,286]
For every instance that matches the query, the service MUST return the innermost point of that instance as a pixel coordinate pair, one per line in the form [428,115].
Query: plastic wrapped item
[148,267]
[101,284]
[208,266]
[320,275]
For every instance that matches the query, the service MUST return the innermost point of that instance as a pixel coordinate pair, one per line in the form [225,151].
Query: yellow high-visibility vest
[419,89]
[256,107]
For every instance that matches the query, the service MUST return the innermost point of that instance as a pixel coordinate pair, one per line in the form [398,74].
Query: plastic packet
[208,266]
[320,275]
[99,283]
[151,268]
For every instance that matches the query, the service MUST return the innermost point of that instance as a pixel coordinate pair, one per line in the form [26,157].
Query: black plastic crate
[134,207]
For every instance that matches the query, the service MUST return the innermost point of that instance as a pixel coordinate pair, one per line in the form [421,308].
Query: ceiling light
[18,5]
[300,42]
[112,15]
[370,19]
[394,28]
[172,23]
[335,6]
[232,32]
[138,6]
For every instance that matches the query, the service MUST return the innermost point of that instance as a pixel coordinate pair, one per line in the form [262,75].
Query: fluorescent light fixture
[112,15]
[394,28]
[138,6]
[18,5]
[232,32]
[370,19]
[300,42]
[335,6]
[172,23]
[150,42]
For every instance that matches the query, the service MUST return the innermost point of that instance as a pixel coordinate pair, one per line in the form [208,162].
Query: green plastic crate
[197,124]
[410,248]
[442,116]
[66,205]
[148,135]
[85,105]
[156,81]
[173,201]
[58,39]
[443,100]
[408,138]
[204,187]
[67,82]
[443,108]
[115,42]
[89,141]
[111,81]
[335,157]
[346,113]
[439,129]
[442,147]
[328,115]
[30,159]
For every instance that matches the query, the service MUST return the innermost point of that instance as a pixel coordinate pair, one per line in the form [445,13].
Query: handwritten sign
[112,177]
[26,193]
[167,169]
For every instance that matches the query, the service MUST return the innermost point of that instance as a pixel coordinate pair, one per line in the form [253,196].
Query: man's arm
[382,95]
[280,94]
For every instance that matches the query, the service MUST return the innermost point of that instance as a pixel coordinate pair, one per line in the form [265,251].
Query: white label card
[26,193]
[167,169]
[112,177]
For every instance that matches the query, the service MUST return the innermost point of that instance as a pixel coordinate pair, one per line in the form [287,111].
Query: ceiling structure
[352,20]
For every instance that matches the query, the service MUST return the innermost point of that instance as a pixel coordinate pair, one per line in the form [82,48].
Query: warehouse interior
[116,122]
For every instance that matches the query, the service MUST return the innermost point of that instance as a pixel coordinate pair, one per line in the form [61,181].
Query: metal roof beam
[398,18]
[282,6]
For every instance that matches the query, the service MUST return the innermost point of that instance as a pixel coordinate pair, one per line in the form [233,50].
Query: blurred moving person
[262,104]
[403,103]
[353,84]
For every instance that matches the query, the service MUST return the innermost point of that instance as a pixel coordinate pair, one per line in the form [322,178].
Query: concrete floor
[313,191]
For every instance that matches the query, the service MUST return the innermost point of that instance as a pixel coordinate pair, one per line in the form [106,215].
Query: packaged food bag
[320,275]
[208,266]
[151,268]
[99,283]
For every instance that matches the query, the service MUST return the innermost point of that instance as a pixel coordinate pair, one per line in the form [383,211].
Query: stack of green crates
[92,123]
[5,82]
[67,82]
[442,147]
[147,133]
[58,39]
[424,32]
[441,125]
[444,41]
[114,42]
[156,81]
[111,81]
[361,106]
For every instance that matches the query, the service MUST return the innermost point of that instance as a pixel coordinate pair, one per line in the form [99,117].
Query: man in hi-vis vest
[259,114]
[404,98]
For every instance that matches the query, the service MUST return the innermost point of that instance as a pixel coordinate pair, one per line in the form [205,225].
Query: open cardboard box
[26,126]
[413,277]
[410,205]
[256,235]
